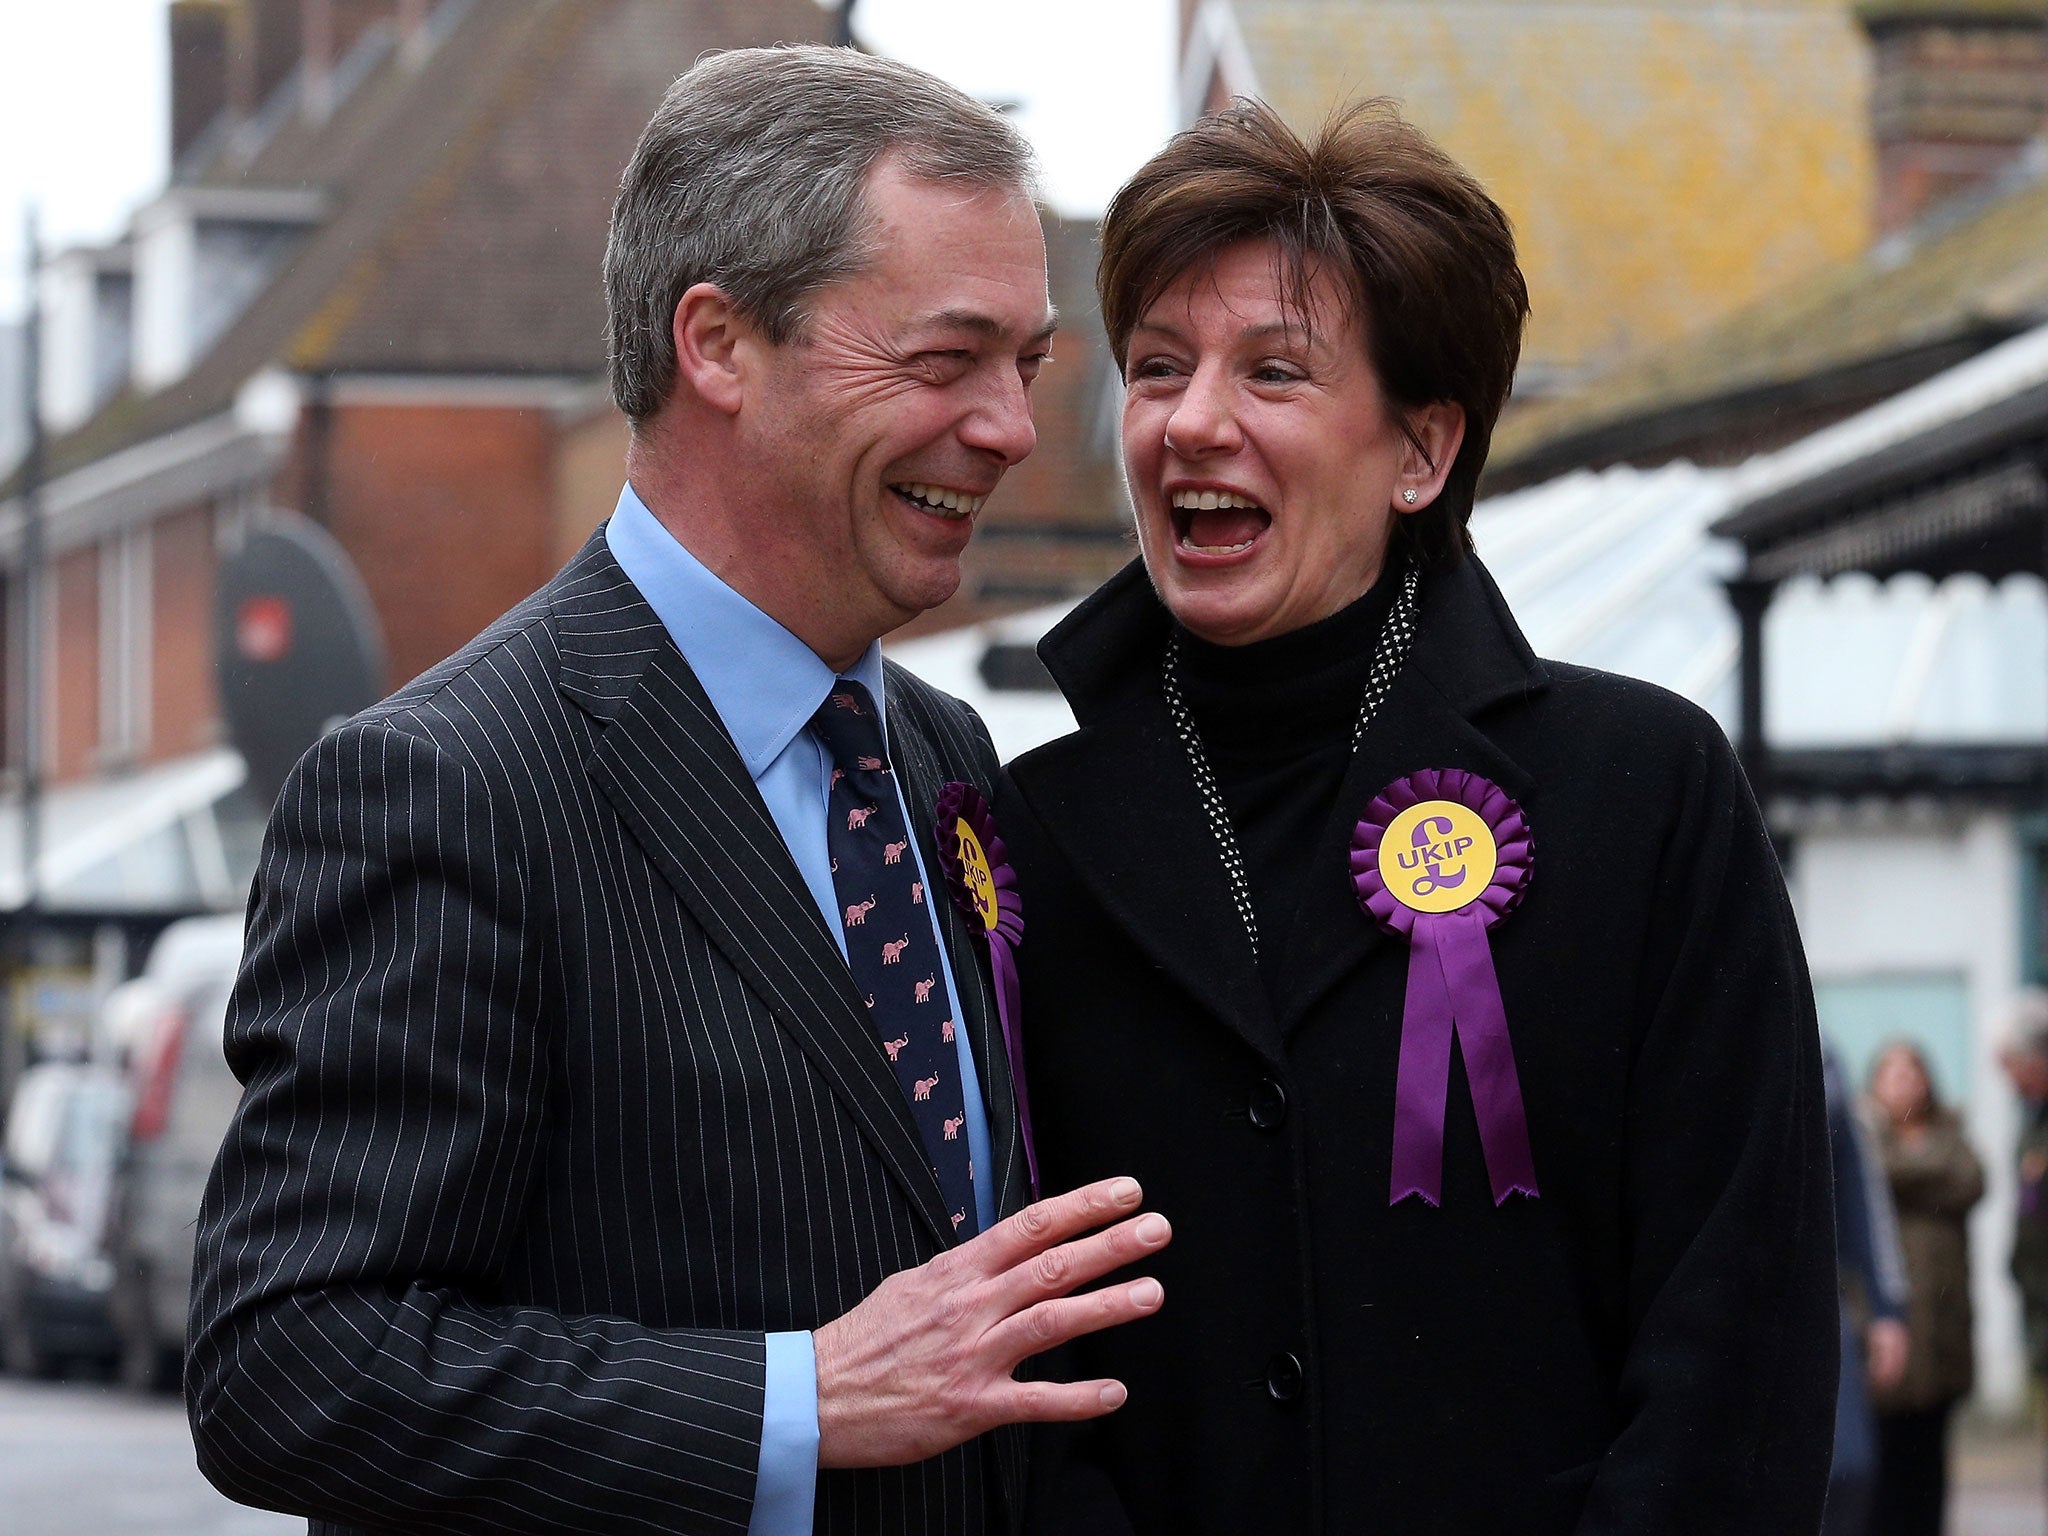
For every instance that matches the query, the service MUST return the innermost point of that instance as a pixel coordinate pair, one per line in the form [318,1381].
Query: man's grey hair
[751,177]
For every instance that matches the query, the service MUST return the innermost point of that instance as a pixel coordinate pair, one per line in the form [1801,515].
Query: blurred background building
[1780,441]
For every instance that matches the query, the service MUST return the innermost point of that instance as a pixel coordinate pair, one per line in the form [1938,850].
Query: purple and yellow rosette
[984,890]
[1441,856]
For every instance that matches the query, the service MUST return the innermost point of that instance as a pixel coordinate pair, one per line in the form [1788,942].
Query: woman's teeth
[937,499]
[1217,522]
[1209,501]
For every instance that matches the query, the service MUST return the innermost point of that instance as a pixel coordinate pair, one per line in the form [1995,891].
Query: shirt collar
[763,681]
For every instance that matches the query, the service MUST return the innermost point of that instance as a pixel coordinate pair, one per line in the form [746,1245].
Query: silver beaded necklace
[1396,636]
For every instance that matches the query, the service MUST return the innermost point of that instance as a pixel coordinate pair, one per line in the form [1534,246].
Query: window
[125,647]
[1860,1016]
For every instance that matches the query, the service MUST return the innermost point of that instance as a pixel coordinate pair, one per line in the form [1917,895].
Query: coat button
[1268,1105]
[1284,1377]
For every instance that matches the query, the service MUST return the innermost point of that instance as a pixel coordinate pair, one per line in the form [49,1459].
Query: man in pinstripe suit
[573,1187]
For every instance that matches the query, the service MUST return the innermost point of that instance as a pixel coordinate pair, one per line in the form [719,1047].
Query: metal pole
[32,583]
[842,31]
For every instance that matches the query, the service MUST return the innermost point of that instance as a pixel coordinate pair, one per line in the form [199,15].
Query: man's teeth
[936,498]
[1210,501]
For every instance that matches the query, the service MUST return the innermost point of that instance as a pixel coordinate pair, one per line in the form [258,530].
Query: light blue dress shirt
[766,684]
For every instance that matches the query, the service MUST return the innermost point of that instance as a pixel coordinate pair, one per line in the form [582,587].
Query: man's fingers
[1058,1402]
[1059,1270]
[1038,1227]
[1052,1323]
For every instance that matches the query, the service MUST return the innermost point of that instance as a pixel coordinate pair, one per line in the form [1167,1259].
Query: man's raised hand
[925,1362]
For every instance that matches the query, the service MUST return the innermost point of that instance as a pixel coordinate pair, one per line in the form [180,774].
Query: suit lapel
[664,761]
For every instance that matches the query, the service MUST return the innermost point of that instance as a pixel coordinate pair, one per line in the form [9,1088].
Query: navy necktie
[891,946]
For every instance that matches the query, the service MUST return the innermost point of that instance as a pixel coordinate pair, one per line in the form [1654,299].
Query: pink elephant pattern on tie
[877,891]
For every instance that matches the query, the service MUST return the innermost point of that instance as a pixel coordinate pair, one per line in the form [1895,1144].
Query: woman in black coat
[1575,1274]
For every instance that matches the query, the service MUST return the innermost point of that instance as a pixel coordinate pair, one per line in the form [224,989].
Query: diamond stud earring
[1409,495]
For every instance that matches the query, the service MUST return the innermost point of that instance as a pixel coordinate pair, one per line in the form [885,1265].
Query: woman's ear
[710,336]
[1429,449]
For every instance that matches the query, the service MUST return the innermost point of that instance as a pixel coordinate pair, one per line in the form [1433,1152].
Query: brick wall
[1951,106]
[74,693]
[448,513]
[590,466]
[184,713]
[1056,525]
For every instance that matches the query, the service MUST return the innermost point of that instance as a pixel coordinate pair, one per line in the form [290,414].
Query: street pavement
[82,1459]
[1998,1472]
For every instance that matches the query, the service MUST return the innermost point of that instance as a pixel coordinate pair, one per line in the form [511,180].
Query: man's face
[881,432]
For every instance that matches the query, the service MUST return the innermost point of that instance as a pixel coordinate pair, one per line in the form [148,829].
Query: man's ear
[1439,429]
[710,336]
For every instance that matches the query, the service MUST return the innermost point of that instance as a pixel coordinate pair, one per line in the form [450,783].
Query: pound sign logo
[1437,856]
[976,875]
[1436,846]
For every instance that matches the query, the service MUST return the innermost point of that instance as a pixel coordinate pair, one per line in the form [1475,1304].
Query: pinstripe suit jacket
[559,1096]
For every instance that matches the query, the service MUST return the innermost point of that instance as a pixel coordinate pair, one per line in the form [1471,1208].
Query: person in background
[1935,1179]
[1874,1298]
[2025,1061]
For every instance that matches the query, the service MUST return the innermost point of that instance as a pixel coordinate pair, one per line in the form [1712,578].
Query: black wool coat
[1651,1346]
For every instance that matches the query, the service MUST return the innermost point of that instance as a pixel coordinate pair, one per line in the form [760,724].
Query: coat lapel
[668,767]
[1418,728]
[1120,799]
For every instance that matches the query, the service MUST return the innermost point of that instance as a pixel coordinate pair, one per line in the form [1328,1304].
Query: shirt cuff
[785,1486]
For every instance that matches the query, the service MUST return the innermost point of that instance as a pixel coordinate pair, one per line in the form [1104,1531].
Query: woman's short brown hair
[1428,259]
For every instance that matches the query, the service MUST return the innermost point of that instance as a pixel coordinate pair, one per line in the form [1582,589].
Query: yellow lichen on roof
[1988,272]
[1666,162]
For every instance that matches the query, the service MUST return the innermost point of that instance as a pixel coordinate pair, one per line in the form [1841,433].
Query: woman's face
[1264,463]
[1899,1084]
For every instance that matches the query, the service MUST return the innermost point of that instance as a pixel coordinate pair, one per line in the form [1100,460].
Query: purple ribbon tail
[1452,988]
[1009,1014]
[1423,1081]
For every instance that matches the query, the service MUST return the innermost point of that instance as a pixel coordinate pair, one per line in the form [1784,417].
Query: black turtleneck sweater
[1275,718]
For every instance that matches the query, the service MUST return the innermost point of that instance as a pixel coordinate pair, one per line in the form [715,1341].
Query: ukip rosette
[1440,857]
[983,887]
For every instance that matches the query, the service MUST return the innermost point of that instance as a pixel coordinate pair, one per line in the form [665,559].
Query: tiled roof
[1665,161]
[1942,296]
[469,199]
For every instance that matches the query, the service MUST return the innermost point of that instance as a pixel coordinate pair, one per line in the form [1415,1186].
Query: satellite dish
[296,648]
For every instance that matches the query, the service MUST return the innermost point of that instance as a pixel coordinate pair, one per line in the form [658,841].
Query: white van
[184,1095]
